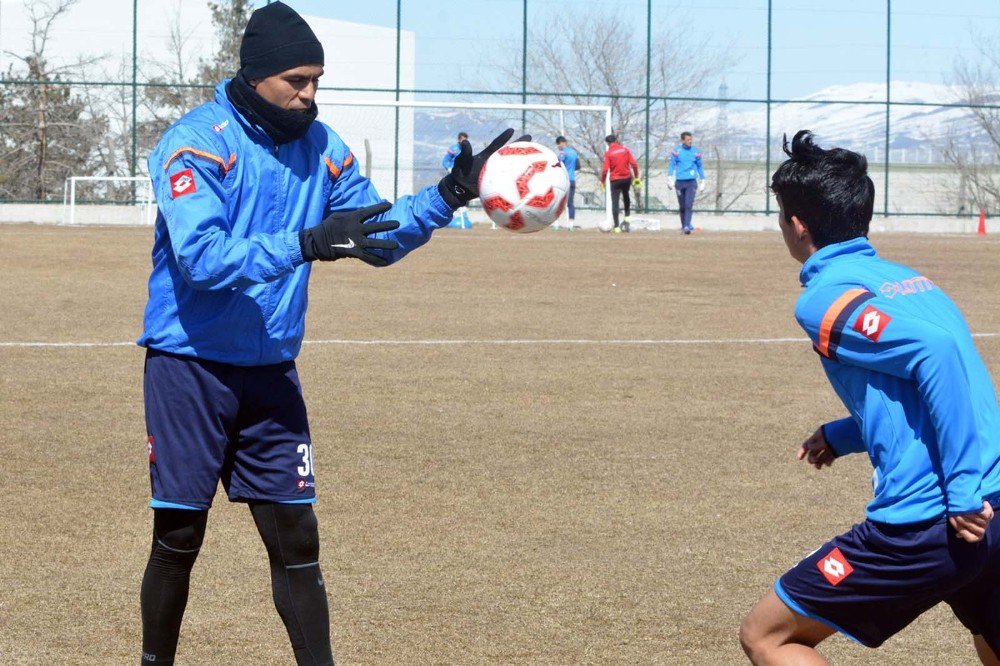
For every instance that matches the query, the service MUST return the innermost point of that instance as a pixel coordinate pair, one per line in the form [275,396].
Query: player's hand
[670,184]
[637,183]
[701,184]
[816,451]
[347,234]
[462,185]
[972,526]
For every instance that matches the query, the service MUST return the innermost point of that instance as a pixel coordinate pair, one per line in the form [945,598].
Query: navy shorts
[875,579]
[208,421]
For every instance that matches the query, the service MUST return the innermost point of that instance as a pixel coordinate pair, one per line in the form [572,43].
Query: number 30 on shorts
[306,451]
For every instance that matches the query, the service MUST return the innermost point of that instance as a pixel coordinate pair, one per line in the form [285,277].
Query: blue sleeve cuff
[439,205]
[843,436]
[294,248]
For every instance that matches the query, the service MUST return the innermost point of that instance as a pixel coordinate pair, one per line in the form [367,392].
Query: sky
[463,44]
[816,43]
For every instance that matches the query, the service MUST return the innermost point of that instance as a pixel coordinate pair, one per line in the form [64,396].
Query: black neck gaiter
[280,124]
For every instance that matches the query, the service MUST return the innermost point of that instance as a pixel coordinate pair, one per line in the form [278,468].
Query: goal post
[405,141]
[119,200]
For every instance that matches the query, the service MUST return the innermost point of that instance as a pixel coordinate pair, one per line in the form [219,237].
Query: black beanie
[276,39]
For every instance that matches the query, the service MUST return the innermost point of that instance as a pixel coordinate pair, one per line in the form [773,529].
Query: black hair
[828,190]
[561,139]
[685,134]
[611,138]
[462,135]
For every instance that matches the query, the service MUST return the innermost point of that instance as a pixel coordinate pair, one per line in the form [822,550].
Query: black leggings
[291,536]
[620,186]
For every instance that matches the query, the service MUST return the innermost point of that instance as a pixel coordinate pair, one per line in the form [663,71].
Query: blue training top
[900,356]
[569,157]
[449,157]
[228,282]
[686,162]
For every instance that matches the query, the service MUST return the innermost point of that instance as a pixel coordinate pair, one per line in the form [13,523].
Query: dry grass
[479,503]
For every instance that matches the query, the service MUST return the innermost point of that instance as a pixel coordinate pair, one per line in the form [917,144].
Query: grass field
[599,468]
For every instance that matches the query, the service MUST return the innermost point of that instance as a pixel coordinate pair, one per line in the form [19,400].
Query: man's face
[687,141]
[293,89]
[560,144]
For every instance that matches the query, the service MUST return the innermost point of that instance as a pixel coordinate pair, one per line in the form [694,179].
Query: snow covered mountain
[916,132]
[859,125]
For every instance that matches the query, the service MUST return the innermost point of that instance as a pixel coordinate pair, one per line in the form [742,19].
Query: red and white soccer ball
[523,187]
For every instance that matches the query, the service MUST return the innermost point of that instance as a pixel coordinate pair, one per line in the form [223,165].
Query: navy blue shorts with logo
[208,421]
[875,579]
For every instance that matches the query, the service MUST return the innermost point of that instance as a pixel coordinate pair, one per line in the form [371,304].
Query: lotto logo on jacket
[871,322]
[182,183]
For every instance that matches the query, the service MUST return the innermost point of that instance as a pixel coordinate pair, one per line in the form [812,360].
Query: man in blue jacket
[685,162]
[251,190]
[570,159]
[921,404]
[448,161]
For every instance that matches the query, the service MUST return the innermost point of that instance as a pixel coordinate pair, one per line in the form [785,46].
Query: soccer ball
[523,187]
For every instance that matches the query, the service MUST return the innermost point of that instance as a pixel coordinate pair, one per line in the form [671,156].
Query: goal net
[109,200]
[400,145]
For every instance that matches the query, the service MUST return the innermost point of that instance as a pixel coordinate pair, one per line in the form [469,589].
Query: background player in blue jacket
[685,162]
[920,403]
[570,159]
[448,161]
[251,190]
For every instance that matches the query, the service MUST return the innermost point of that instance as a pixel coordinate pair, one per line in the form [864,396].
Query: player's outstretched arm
[816,451]
[462,185]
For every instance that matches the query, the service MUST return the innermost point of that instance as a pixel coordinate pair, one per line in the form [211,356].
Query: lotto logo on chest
[182,183]
[871,323]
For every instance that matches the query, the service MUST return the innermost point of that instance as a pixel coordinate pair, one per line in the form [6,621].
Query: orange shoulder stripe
[830,318]
[334,169]
[223,165]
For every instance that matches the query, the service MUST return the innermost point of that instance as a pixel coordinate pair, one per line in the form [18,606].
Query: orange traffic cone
[982,222]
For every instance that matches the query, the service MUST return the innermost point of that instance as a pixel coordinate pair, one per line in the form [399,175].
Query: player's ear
[801,228]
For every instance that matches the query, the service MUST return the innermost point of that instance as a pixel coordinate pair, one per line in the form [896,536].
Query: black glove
[346,234]
[462,185]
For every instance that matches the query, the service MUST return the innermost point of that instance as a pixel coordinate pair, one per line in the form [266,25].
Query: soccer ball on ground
[523,187]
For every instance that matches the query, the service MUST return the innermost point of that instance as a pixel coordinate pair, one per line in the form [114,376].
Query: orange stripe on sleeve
[331,167]
[223,165]
[826,326]
[334,169]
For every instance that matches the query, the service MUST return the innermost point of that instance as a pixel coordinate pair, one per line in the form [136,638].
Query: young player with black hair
[921,404]
[251,190]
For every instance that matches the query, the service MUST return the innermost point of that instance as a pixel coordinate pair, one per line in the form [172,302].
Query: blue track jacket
[686,162]
[569,157]
[448,161]
[228,282]
[900,356]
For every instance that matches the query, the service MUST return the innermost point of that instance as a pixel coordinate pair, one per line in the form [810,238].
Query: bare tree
[177,85]
[598,61]
[975,157]
[46,133]
[229,17]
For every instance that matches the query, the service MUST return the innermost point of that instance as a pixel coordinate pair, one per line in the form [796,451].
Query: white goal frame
[146,205]
[604,109]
